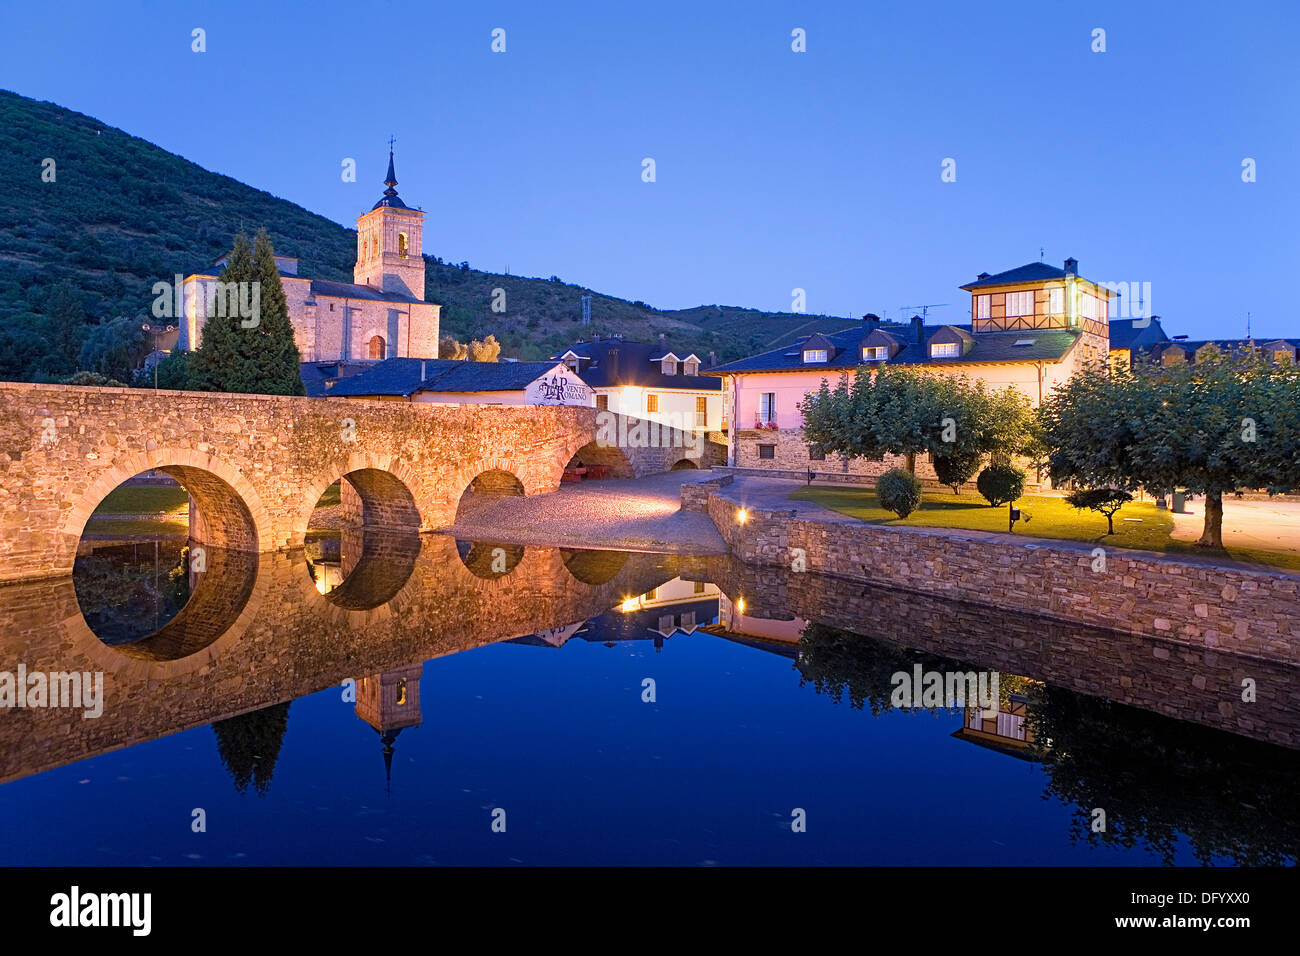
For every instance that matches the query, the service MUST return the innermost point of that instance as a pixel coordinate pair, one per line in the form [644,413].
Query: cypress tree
[261,358]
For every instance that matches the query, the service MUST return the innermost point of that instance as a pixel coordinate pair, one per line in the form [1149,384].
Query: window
[766,451]
[1020,303]
[1087,305]
[1056,301]
[767,407]
[982,306]
[814,355]
[699,587]
[701,410]
[944,350]
[816,454]
[376,347]
[403,247]
[602,402]
[669,366]
[652,403]
[876,353]
[691,368]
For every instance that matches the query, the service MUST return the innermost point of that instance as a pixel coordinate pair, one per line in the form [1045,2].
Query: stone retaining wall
[1197,603]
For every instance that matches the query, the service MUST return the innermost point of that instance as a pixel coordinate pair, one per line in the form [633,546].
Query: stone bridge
[256,465]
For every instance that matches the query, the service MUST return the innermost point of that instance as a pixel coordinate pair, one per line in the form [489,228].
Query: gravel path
[635,514]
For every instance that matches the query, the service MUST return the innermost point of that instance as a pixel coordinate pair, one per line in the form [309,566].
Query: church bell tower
[390,248]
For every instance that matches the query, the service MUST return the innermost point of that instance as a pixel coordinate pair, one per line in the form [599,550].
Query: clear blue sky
[776,170]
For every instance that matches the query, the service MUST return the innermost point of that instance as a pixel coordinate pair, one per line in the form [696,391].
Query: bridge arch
[377,492]
[485,482]
[230,515]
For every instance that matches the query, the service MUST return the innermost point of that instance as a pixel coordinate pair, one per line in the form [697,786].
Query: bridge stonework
[255,465]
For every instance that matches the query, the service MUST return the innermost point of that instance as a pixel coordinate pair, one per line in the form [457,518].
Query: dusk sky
[775,170]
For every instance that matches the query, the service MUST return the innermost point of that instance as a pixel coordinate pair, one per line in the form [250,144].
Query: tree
[1221,424]
[1106,500]
[1001,484]
[899,491]
[449,348]
[67,324]
[956,469]
[907,411]
[487,350]
[249,353]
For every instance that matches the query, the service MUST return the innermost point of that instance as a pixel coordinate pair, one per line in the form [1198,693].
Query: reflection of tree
[839,663]
[128,591]
[1156,777]
[250,744]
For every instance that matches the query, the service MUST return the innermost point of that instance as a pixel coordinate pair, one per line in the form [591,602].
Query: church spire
[390,194]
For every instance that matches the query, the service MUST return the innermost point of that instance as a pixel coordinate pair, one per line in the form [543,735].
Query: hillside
[79,257]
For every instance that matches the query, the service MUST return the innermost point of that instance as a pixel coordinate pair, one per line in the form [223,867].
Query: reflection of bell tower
[390,702]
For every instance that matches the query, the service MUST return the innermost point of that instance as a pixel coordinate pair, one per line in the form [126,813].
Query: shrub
[955,470]
[1106,500]
[1001,484]
[899,491]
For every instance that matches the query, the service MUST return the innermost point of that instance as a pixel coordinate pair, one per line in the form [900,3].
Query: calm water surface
[379,701]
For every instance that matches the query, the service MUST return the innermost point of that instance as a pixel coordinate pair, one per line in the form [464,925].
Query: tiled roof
[350,290]
[402,376]
[1039,345]
[1031,272]
[1128,334]
[315,375]
[615,362]
[1230,346]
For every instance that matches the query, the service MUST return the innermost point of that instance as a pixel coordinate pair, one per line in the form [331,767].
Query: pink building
[1030,328]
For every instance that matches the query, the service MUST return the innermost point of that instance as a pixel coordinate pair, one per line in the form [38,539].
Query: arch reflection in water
[360,569]
[594,567]
[162,600]
[488,560]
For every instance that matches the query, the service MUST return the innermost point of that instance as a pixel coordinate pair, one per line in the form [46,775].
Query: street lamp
[156,331]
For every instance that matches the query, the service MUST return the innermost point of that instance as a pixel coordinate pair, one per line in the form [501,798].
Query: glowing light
[629,605]
[742,515]
[740,605]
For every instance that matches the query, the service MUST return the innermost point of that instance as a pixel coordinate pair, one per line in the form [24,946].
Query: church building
[380,314]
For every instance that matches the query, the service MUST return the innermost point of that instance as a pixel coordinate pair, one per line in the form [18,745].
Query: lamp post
[156,331]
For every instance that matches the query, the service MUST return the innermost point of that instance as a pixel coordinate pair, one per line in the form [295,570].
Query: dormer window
[875,353]
[669,366]
[691,367]
[814,355]
[945,350]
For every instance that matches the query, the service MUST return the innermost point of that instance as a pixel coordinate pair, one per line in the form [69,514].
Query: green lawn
[1048,517]
[168,500]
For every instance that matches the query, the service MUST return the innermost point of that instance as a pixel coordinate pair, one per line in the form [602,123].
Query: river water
[422,700]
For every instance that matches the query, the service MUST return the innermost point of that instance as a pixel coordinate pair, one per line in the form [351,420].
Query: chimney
[871,321]
[663,341]
[423,363]
[918,330]
[981,277]
[595,337]
[611,363]
[713,358]
[1071,267]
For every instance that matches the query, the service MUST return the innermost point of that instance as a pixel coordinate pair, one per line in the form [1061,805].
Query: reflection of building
[674,607]
[1008,731]
[390,702]
[732,617]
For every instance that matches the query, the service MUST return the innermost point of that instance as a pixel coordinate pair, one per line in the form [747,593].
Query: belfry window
[402,245]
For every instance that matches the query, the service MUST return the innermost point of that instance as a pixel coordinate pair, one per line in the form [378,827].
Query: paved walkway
[635,514]
[1271,525]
